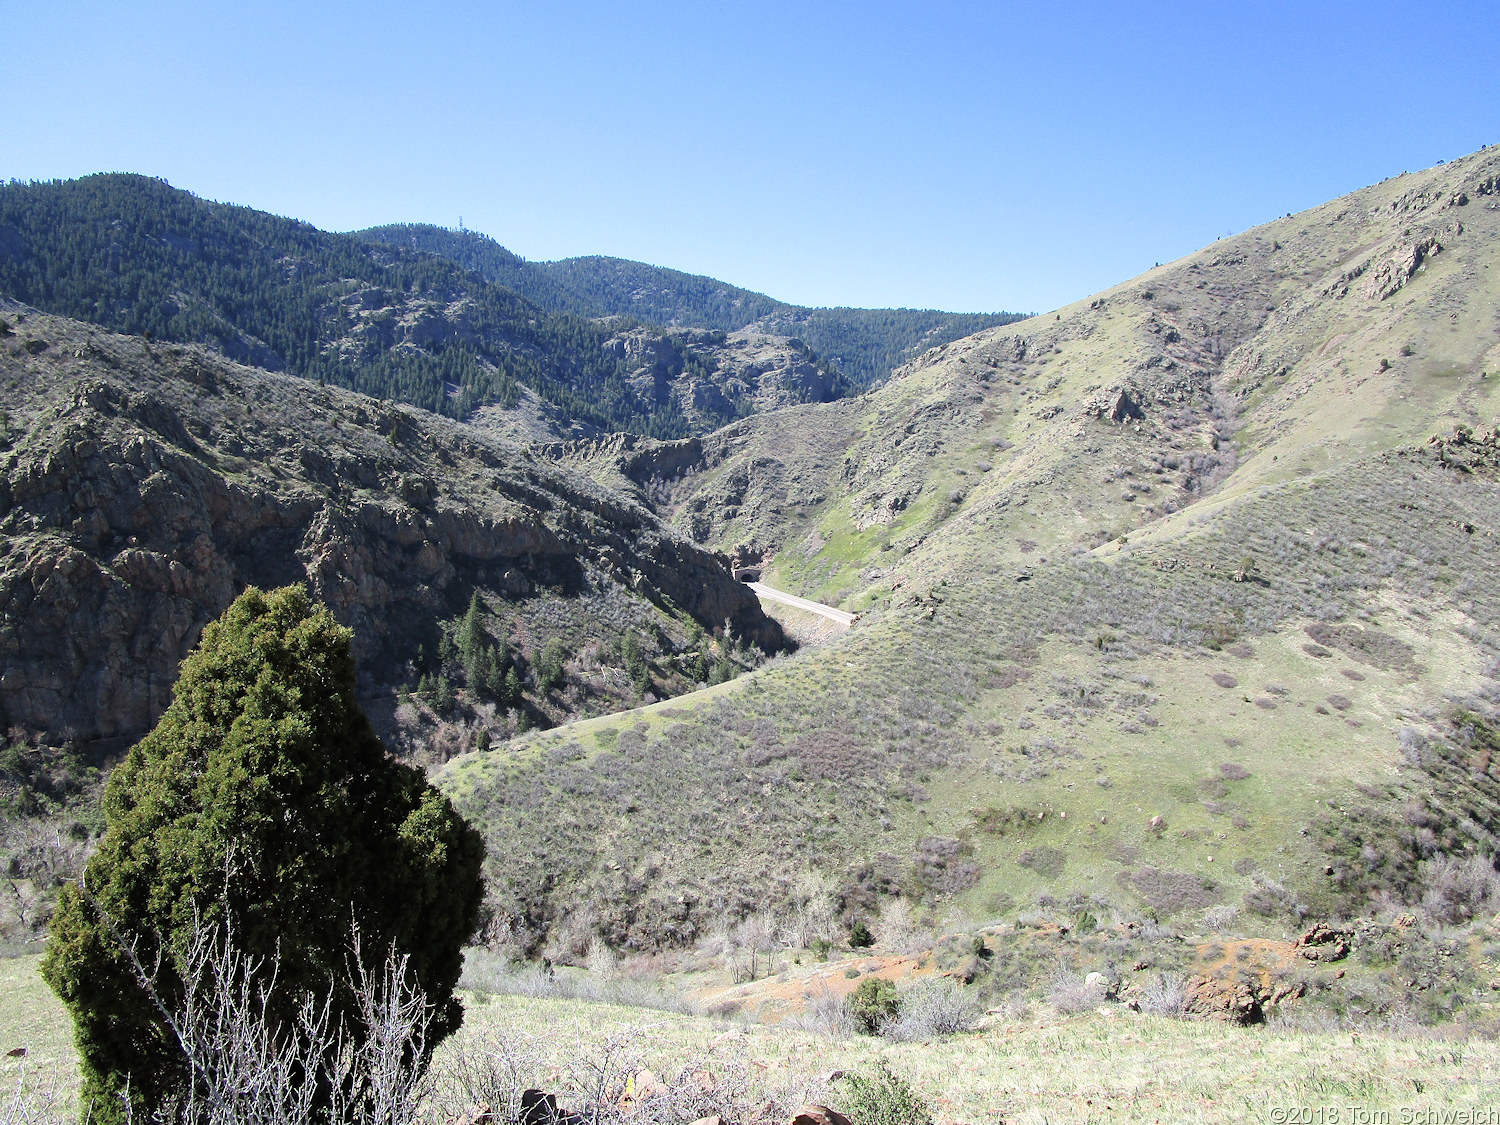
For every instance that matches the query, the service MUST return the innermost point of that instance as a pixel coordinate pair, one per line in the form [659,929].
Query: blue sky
[960,156]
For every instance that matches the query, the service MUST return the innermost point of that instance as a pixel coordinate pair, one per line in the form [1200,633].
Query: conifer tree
[263,801]
[635,661]
[470,641]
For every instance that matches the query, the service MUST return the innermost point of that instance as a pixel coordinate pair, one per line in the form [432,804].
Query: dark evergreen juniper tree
[264,803]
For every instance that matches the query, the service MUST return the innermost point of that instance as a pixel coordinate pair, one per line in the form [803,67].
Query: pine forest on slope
[134,255]
[865,344]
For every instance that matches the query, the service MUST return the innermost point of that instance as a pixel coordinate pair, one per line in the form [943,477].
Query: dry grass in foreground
[1091,1067]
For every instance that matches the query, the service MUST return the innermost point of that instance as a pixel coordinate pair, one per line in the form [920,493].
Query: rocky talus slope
[145,484]
[711,377]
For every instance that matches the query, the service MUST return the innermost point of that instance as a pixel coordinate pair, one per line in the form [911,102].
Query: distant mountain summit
[865,345]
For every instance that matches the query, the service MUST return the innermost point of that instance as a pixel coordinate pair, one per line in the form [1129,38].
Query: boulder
[1238,997]
[1124,407]
[1390,275]
[642,1086]
[1117,405]
[538,1108]
[1324,943]
[818,1115]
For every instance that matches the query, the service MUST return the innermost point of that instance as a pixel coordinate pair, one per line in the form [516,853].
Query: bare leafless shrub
[830,753]
[1045,861]
[608,1085]
[1164,995]
[1013,1008]
[1071,993]
[1149,930]
[813,915]
[247,1064]
[32,1101]
[744,947]
[602,962]
[1272,900]
[827,1013]
[757,932]
[494,1069]
[899,931]
[1302,1019]
[1456,890]
[1412,744]
[940,865]
[932,1008]
[1220,919]
[485,972]
[572,939]
[1167,892]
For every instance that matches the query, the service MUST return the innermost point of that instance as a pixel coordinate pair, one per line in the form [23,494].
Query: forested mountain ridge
[135,255]
[865,344]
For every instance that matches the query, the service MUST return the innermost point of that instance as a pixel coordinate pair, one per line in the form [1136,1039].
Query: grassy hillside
[864,344]
[1169,603]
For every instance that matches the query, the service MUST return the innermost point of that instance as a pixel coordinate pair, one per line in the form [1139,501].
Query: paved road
[844,619]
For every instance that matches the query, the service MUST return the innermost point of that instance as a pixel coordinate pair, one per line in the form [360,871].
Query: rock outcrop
[143,487]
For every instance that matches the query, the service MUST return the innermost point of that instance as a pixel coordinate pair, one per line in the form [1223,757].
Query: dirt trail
[843,617]
[773,998]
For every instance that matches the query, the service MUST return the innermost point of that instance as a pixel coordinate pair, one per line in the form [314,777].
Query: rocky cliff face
[711,378]
[144,486]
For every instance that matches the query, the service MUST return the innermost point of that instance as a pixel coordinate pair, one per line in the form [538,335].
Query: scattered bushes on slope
[1419,840]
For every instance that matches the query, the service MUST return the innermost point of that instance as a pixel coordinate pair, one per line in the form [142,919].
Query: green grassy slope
[1176,561]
